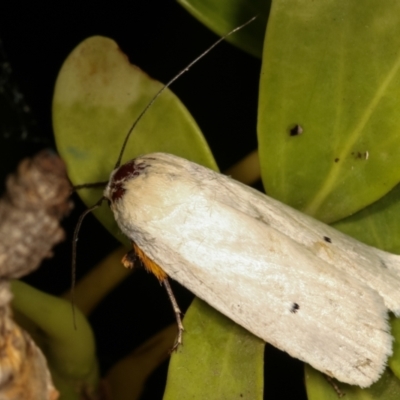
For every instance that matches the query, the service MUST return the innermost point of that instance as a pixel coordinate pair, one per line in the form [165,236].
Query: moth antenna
[167,85]
[74,246]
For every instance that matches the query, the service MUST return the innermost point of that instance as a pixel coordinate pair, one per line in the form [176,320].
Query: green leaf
[218,359]
[331,67]
[98,95]
[224,15]
[378,224]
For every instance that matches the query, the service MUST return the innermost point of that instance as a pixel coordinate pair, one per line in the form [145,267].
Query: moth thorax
[115,189]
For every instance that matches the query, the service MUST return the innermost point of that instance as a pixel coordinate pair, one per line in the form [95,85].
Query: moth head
[121,179]
[116,187]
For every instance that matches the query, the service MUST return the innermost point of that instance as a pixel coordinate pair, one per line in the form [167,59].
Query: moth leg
[128,260]
[178,313]
[150,266]
[335,387]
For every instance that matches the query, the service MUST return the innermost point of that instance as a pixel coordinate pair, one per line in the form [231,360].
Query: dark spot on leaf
[327,239]
[336,159]
[358,155]
[296,130]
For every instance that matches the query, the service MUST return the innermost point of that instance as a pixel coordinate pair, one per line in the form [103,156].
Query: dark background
[220,92]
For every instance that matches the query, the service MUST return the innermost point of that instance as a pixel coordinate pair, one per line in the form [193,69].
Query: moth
[291,280]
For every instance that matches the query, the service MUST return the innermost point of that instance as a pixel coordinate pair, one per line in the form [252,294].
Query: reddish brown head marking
[125,172]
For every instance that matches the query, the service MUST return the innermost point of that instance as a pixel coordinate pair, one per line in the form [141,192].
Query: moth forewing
[253,259]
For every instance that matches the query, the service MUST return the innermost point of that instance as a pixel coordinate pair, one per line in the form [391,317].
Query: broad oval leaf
[215,343]
[98,95]
[328,122]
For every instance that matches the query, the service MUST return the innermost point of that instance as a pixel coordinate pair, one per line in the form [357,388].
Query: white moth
[291,280]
